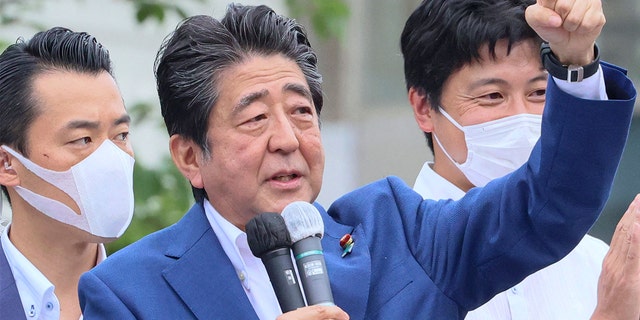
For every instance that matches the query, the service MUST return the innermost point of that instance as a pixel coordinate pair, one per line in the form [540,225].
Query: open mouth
[285,178]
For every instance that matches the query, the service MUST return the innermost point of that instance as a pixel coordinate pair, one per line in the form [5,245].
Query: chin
[85,236]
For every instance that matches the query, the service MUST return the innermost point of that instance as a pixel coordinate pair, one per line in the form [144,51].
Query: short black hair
[55,49]
[191,60]
[442,36]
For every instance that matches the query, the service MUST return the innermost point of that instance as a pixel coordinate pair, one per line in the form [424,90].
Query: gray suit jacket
[10,304]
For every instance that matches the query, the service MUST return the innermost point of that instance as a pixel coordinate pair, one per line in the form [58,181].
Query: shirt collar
[36,291]
[431,185]
[232,239]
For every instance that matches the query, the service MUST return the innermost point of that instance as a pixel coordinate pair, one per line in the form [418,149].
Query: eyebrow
[124,119]
[84,124]
[253,96]
[299,89]
[249,99]
[484,82]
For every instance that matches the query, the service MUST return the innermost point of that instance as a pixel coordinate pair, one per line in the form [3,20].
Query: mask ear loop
[4,221]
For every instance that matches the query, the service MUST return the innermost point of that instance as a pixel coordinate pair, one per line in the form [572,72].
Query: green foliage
[3,45]
[328,17]
[153,9]
[162,196]
[11,13]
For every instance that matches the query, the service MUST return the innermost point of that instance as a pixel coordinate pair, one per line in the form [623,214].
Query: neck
[58,251]
[448,170]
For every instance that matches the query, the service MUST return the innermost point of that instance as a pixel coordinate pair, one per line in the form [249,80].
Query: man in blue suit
[241,99]
[483,125]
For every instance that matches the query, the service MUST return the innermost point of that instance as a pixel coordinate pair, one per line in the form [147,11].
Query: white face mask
[101,185]
[496,148]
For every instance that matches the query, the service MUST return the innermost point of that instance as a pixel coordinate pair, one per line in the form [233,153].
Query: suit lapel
[202,274]
[10,303]
[350,276]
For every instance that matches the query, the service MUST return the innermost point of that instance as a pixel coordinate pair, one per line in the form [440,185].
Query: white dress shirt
[250,269]
[564,290]
[37,293]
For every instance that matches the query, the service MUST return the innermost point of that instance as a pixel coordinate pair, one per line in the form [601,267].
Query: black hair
[54,49]
[442,36]
[191,60]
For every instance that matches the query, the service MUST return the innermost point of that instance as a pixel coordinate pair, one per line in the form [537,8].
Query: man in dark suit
[241,100]
[66,167]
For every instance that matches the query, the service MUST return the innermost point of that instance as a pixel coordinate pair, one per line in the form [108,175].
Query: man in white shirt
[66,167]
[476,83]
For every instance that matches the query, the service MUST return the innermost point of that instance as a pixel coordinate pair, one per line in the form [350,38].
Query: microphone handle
[312,270]
[283,279]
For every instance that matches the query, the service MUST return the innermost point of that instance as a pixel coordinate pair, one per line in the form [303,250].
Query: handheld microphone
[270,241]
[306,229]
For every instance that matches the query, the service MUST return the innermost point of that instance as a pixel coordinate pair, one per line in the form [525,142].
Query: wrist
[572,72]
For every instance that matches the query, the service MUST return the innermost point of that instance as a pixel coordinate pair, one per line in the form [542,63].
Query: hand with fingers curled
[569,26]
[619,283]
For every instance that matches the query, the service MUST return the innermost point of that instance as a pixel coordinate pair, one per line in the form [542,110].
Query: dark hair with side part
[191,61]
[55,49]
[442,36]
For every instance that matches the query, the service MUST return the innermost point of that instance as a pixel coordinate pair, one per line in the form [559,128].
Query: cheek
[311,147]
[313,152]
[452,139]
[233,159]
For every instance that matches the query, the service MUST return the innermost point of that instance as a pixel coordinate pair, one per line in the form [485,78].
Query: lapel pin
[346,243]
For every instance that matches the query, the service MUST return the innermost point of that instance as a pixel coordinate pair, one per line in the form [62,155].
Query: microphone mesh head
[303,220]
[265,232]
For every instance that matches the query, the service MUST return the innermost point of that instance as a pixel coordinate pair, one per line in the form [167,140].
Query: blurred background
[367,124]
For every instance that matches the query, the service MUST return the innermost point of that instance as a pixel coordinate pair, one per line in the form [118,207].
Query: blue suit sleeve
[521,223]
[495,236]
[98,301]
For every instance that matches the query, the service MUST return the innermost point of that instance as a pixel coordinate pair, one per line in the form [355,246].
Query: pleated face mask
[101,185]
[496,148]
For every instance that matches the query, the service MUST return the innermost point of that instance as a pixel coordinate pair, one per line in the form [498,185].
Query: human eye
[82,141]
[123,136]
[257,118]
[253,122]
[538,95]
[303,110]
[492,98]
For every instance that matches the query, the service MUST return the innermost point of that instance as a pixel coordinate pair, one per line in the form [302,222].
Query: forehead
[69,92]
[64,96]
[521,53]
[521,64]
[259,74]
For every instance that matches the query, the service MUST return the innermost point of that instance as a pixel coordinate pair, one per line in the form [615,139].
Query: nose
[284,136]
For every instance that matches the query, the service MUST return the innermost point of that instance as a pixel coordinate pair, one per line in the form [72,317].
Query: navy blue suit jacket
[412,258]
[10,303]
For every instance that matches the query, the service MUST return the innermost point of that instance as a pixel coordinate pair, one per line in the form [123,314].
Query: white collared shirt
[250,269]
[37,293]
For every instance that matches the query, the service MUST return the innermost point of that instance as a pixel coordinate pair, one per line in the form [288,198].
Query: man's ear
[422,111]
[8,176]
[185,153]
